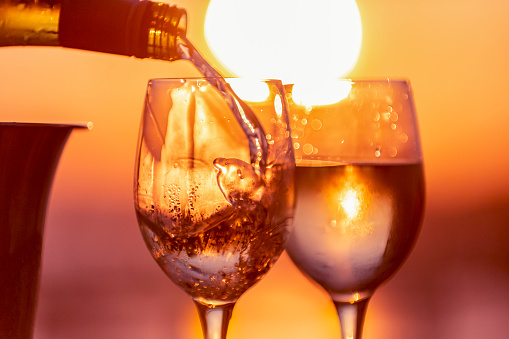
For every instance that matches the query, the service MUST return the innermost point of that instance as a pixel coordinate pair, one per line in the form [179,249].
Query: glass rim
[403,81]
[212,77]
[82,125]
[360,80]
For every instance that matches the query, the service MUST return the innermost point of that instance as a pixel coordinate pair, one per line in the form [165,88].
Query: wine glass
[214,187]
[360,188]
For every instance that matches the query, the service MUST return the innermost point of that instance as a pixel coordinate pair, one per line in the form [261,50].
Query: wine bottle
[139,28]
[143,29]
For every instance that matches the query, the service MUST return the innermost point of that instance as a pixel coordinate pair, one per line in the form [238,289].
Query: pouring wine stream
[244,115]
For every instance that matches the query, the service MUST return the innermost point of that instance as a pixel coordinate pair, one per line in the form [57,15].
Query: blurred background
[99,280]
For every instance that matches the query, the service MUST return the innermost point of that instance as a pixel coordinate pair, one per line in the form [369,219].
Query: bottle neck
[163,26]
[143,29]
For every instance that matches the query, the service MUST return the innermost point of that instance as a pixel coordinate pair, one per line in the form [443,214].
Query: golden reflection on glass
[359,207]
[355,298]
[349,200]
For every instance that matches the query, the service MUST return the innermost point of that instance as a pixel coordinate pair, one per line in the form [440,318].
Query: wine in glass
[214,187]
[360,188]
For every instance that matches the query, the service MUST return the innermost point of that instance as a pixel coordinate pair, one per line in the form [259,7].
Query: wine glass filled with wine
[360,188]
[214,186]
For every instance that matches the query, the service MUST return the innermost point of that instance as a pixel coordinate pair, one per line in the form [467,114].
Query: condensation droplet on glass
[394,116]
[389,109]
[393,127]
[307,149]
[299,132]
[296,145]
[295,118]
[268,137]
[316,124]
[309,109]
[304,121]
[315,150]
[377,116]
[377,152]
[403,137]
[386,116]
[393,152]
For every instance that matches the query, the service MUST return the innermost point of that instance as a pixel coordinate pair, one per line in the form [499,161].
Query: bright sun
[291,40]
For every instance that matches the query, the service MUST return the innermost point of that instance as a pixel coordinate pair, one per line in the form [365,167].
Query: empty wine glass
[214,187]
[360,188]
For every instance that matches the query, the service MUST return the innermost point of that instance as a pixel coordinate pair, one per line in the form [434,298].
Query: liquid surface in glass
[355,224]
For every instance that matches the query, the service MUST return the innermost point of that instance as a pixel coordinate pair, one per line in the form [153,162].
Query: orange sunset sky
[98,279]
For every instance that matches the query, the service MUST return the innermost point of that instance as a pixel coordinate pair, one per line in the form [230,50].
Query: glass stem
[214,319]
[351,317]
